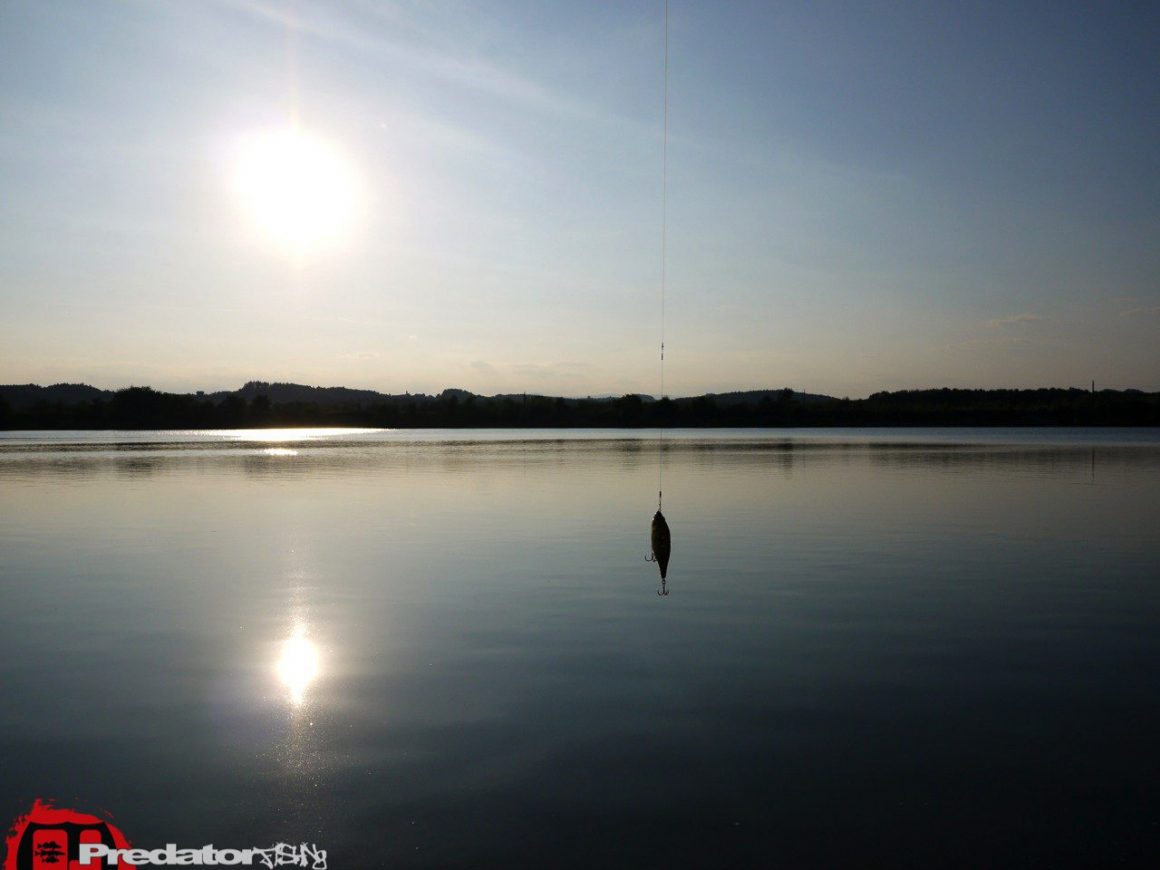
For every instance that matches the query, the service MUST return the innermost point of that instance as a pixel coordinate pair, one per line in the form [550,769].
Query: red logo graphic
[47,838]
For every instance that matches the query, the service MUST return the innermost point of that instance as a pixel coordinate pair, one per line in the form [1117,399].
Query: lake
[892,648]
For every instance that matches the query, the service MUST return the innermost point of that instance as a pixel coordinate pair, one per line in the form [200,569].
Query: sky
[410,196]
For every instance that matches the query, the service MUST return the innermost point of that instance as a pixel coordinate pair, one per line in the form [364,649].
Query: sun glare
[297,667]
[299,190]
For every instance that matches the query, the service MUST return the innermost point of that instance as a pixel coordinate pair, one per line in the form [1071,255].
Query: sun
[298,189]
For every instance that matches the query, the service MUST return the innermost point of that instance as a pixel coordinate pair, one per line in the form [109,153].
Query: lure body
[661,543]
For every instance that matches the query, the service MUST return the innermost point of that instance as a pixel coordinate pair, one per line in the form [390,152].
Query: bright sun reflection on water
[298,667]
[289,434]
[279,451]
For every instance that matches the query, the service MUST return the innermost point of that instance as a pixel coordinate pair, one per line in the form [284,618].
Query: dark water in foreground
[446,649]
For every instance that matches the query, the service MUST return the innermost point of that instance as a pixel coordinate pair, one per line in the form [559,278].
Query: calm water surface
[879,647]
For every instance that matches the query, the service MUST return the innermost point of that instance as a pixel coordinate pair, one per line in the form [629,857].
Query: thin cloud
[544,370]
[468,72]
[992,341]
[361,355]
[1015,320]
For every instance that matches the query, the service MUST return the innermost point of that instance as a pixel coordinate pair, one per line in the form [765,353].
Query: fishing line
[664,256]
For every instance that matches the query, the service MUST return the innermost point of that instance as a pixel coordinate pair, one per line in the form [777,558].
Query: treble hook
[664,589]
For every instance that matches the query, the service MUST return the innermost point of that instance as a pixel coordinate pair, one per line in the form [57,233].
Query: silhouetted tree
[232,411]
[260,410]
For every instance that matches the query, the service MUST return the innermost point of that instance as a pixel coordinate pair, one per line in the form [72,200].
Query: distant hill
[284,394]
[260,403]
[755,396]
[21,396]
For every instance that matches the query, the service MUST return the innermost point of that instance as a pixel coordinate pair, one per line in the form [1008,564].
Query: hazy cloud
[1015,320]
[473,73]
[993,341]
[546,370]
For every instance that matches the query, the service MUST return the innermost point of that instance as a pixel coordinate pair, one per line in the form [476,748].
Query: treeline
[145,408]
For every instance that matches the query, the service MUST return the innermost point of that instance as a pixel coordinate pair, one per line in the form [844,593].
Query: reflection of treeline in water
[258,404]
